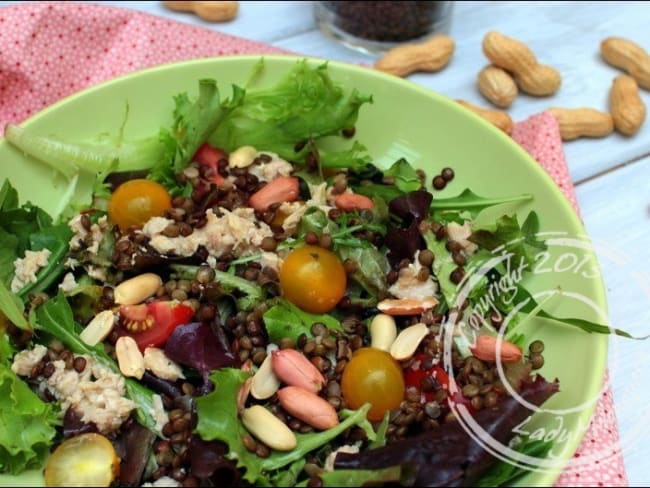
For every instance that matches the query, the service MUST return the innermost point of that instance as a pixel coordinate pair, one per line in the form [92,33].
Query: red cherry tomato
[166,317]
[210,156]
[414,375]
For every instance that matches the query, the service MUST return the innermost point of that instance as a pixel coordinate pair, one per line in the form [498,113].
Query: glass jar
[377,26]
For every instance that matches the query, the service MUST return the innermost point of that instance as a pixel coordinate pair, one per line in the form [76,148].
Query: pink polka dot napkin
[51,50]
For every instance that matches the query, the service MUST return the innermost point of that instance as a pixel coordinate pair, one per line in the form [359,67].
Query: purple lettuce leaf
[403,243]
[404,240]
[413,206]
[134,448]
[208,462]
[201,347]
[448,456]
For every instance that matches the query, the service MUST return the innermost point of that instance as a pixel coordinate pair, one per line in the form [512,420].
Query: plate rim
[596,380]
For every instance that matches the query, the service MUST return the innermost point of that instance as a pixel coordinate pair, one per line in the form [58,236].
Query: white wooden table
[611,175]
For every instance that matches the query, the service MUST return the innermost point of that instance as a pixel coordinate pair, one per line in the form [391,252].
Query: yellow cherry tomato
[136,201]
[83,460]
[373,376]
[313,279]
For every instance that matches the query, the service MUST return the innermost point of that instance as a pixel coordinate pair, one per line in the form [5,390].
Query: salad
[249,300]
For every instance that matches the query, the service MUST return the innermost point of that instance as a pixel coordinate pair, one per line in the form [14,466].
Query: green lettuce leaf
[55,318]
[306,105]
[218,420]
[406,179]
[371,271]
[504,473]
[28,227]
[358,477]
[287,320]
[26,425]
[12,308]
[506,234]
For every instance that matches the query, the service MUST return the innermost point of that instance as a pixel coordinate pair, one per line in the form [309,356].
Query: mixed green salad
[249,300]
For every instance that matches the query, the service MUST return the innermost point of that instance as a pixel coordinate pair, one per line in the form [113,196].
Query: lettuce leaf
[306,105]
[287,320]
[218,420]
[163,153]
[26,425]
[55,318]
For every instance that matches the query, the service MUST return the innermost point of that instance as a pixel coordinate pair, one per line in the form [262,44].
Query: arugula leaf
[382,429]
[287,320]
[531,306]
[470,201]
[55,318]
[12,308]
[504,473]
[251,294]
[26,425]
[522,241]
[306,105]
[218,420]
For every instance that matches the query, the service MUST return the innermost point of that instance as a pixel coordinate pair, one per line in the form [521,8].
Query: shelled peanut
[582,122]
[626,106]
[516,58]
[497,86]
[496,117]
[208,10]
[431,55]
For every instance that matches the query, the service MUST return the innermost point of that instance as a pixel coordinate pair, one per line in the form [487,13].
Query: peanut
[629,56]
[210,11]
[353,201]
[383,331]
[268,428]
[281,189]
[129,357]
[295,369]
[515,57]
[497,86]
[496,117]
[136,290]
[98,328]
[265,383]
[432,55]
[408,341]
[486,349]
[308,407]
[582,122]
[242,157]
[406,306]
[626,106]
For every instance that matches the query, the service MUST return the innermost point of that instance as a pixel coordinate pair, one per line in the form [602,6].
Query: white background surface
[612,175]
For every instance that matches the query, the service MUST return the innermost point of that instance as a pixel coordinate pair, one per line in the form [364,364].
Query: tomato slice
[414,377]
[210,156]
[167,316]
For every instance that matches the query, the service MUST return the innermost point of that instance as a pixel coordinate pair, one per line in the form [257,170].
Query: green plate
[405,120]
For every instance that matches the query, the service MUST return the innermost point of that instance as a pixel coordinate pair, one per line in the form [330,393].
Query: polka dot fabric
[51,50]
